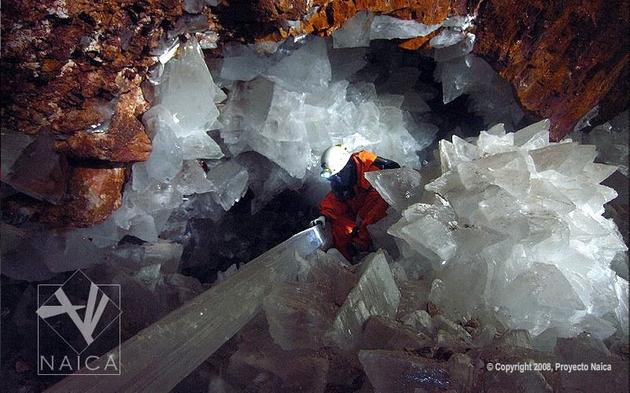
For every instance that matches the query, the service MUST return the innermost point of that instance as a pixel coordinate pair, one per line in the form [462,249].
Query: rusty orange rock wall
[562,58]
[95,192]
[62,62]
[327,16]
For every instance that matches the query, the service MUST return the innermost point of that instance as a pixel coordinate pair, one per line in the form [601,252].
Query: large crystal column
[161,355]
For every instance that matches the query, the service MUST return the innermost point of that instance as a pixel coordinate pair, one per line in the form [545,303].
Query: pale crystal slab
[355,32]
[167,351]
[241,62]
[375,294]
[400,187]
[446,38]
[229,180]
[188,91]
[611,140]
[291,74]
[533,136]
[387,28]
[192,179]
[298,315]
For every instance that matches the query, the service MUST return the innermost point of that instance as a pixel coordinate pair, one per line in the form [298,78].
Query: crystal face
[517,233]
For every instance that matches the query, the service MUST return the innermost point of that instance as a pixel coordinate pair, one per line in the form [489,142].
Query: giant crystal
[186,97]
[242,63]
[461,72]
[375,294]
[355,32]
[266,179]
[195,331]
[301,313]
[298,315]
[293,110]
[365,26]
[185,110]
[188,91]
[611,139]
[166,156]
[292,73]
[387,27]
[399,187]
[517,233]
[230,182]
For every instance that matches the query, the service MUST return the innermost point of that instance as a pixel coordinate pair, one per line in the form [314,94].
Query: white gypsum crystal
[399,187]
[387,28]
[188,91]
[490,96]
[305,69]
[376,293]
[611,140]
[230,182]
[355,31]
[192,179]
[517,234]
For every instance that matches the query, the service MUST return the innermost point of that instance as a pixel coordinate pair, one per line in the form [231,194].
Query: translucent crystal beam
[160,356]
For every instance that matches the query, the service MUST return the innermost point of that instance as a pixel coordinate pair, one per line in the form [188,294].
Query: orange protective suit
[349,218]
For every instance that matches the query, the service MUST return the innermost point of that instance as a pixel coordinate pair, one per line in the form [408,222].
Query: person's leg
[341,229]
[373,209]
[338,215]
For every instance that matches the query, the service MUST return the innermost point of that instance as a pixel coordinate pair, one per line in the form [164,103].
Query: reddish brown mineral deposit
[562,58]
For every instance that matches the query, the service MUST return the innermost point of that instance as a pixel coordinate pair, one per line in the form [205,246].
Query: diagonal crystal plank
[161,355]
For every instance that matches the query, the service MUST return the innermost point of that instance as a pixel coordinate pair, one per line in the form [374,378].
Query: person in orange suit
[352,204]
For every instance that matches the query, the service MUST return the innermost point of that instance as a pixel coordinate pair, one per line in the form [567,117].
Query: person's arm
[385,163]
[331,207]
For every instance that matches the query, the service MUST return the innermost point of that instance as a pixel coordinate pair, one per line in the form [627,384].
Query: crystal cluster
[515,232]
[398,187]
[172,179]
[335,325]
[365,26]
[290,113]
[283,110]
[375,294]
[461,72]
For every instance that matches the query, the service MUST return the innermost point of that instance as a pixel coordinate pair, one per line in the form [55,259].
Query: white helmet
[333,160]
